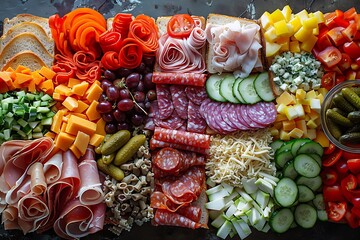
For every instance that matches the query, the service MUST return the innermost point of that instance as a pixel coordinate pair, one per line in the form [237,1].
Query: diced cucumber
[241,227]
[247,90]
[226,88]
[305,215]
[305,194]
[263,87]
[313,183]
[224,230]
[286,192]
[235,90]
[213,87]
[306,166]
[281,220]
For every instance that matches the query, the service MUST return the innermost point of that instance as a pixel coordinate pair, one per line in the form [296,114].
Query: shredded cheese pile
[240,155]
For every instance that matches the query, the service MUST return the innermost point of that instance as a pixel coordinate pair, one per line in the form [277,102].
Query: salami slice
[164,217]
[160,144]
[182,137]
[195,122]
[165,104]
[263,113]
[172,122]
[191,212]
[209,116]
[224,126]
[250,121]
[180,100]
[168,160]
[204,107]
[196,94]
[240,115]
[189,79]
[230,116]
[149,124]
[160,201]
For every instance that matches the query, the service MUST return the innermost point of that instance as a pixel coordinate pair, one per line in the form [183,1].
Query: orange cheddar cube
[75,151]
[91,112]
[100,127]
[96,139]
[81,107]
[93,93]
[80,89]
[23,78]
[73,81]
[81,142]
[47,87]
[76,124]
[63,90]
[64,141]
[70,103]
[47,72]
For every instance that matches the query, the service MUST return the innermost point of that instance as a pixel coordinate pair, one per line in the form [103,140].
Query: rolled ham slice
[53,167]
[10,218]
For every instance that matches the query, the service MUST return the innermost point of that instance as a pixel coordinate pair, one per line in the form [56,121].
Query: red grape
[139,96]
[148,81]
[141,68]
[105,84]
[149,61]
[119,83]
[137,119]
[110,128]
[151,95]
[140,87]
[124,94]
[104,107]
[102,97]
[124,72]
[107,117]
[123,126]
[147,105]
[132,80]
[119,115]
[109,75]
[138,107]
[112,93]
[125,105]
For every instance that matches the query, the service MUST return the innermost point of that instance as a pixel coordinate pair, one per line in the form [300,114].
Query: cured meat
[161,144]
[38,183]
[65,69]
[245,116]
[52,168]
[224,127]
[165,104]
[195,122]
[149,124]
[172,122]
[189,79]
[182,137]
[8,149]
[233,115]
[196,94]
[9,218]
[226,110]
[164,217]
[242,119]
[210,117]
[88,68]
[263,113]
[180,100]
[197,38]
[191,212]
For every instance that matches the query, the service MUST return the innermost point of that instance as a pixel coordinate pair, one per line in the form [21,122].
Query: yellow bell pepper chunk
[277,15]
[286,11]
[309,43]
[272,49]
[270,34]
[266,20]
[320,16]
[302,15]
[294,46]
[281,28]
[296,23]
[310,23]
[303,34]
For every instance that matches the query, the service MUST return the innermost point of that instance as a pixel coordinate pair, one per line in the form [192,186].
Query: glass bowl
[328,103]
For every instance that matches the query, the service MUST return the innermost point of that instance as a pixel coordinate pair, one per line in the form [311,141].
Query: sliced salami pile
[225,118]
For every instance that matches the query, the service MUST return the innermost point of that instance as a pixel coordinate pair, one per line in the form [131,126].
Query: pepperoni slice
[196,94]
[182,137]
[164,217]
[180,100]
[165,104]
[195,122]
[263,113]
[160,144]
[168,160]
[190,79]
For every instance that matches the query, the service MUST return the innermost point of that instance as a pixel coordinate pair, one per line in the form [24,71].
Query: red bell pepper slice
[333,194]
[354,165]
[329,19]
[352,49]
[350,14]
[350,31]
[336,36]
[331,159]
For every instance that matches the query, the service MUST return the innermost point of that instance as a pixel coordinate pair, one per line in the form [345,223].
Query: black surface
[248,9]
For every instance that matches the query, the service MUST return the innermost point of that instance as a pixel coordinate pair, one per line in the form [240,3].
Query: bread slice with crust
[218,19]
[23,42]
[43,22]
[25,58]
[28,27]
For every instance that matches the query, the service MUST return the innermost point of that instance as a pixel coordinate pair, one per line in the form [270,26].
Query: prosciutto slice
[53,167]
[10,218]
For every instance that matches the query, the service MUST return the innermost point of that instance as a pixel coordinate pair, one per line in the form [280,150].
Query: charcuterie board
[260,114]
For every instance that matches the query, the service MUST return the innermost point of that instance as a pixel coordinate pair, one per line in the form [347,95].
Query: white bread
[162,22]
[23,42]
[219,19]
[43,22]
[25,58]
[28,27]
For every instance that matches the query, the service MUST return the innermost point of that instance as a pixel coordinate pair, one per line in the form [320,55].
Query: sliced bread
[23,42]
[25,58]
[43,22]
[218,19]
[28,27]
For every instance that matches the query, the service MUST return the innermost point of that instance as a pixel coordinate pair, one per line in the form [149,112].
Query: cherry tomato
[328,176]
[330,56]
[351,219]
[345,62]
[354,165]
[328,80]
[356,211]
[329,20]
[352,49]
[331,159]
[180,25]
[330,149]
[333,194]
[323,40]
[349,183]
[336,211]
[339,79]
[336,36]
[341,167]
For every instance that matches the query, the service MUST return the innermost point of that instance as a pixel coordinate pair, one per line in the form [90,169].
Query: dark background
[248,9]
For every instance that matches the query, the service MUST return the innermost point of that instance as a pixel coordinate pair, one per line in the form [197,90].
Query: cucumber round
[235,90]
[281,158]
[263,87]
[247,90]
[305,194]
[311,147]
[226,88]
[289,170]
[281,220]
[305,215]
[213,87]
[313,183]
[306,166]
[297,144]
[286,192]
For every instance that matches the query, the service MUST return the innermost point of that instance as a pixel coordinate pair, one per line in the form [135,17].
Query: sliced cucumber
[306,166]
[297,144]
[263,87]
[286,192]
[247,90]
[281,158]
[289,170]
[305,215]
[226,88]
[322,215]
[313,183]
[281,220]
[287,146]
[311,147]
[305,194]
[318,201]
[213,87]
[316,157]
[276,145]
[235,90]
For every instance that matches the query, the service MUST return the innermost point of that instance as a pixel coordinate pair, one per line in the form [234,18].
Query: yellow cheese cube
[308,45]
[274,132]
[310,23]
[294,46]
[311,94]
[322,139]
[296,133]
[284,135]
[303,15]
[266,20]
[280,118]
[300,94]
[277,15]
[286,11]
[313,115]
[304,101]
[285,98]
[318,122]
[299,109]
[315,104]
[278,125]
[296,23]
[291,112]
[272,49]
[284,42]
[281,108]
[311,133]
[307,118]
[307,108]
[301,124]
[320,97]
[270,34]
[322,91]
[311,124]
[288,125]
[320,16]
[303,34]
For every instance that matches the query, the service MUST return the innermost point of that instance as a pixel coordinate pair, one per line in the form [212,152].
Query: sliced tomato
[351,219]
[349,183]
[342,167]
[329,176]
[350,31]
[352,49]
[180,25]
[336,211]
[354,165]
[356,211]
[328,80]
[323,39]
[339,19]
[331,159]
[350,14]
[330,149]
[333,194]
[345,62]
[348,155]
[336,36]
[358,178]
[330,56]
[339,79]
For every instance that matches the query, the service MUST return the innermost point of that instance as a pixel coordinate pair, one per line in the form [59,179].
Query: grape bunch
[126,96]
